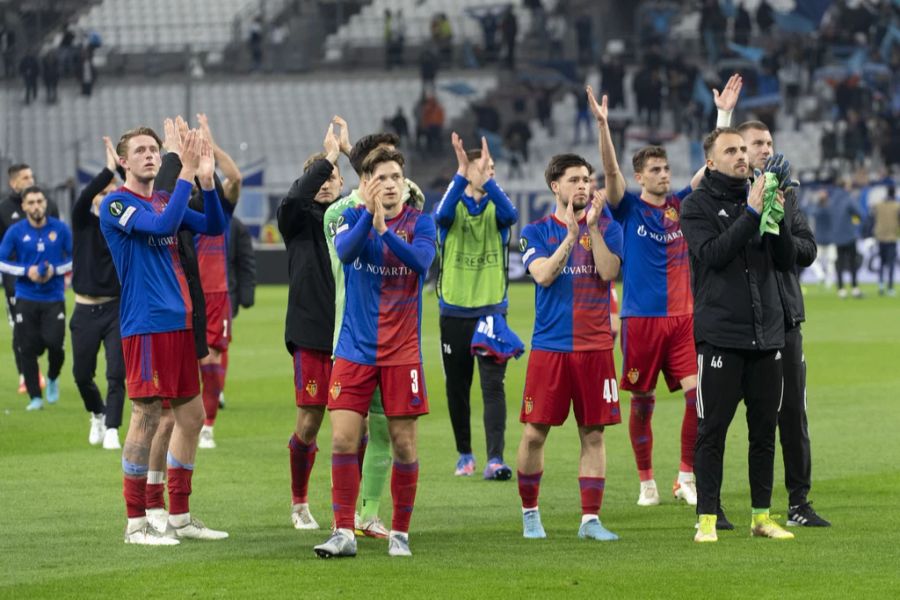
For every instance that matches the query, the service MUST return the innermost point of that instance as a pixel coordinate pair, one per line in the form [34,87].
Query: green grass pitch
[62,512]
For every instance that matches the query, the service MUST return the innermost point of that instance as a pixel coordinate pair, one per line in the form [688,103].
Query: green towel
[773,211]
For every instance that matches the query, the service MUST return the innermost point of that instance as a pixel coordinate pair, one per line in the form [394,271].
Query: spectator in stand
[433,122]
[509,27]
[50,71]
[8,51]
[713,25]
[400,126]
[88,74]
[765,17]
[648,89]
[887,226]
[68,54]
[442,36]
[680,77]
[584,39]
[29,68]
[582,115]
[489,25]
[612,80]
[743,25]
[518,135]
[255,42]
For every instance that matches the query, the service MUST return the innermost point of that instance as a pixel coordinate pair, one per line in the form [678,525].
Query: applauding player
[657,305]
[572,255]
[140,226]
[386,248]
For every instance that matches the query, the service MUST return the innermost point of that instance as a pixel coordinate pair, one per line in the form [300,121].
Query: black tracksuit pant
[40,326]
[725,376]
[456,342]
[91,325]
[792,424]
[11,314]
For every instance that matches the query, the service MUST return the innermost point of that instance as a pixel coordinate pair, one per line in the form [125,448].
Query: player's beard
[38,216]
[580,204]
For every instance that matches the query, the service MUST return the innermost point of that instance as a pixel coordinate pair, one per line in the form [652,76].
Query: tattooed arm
[545,269]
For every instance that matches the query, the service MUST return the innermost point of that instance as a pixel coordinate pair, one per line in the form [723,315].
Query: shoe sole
[500,475]
[322,553]
[798,524]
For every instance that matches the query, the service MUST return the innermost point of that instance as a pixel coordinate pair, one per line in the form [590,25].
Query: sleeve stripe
[528,254]
[10,269]
[63,268]
[342,229]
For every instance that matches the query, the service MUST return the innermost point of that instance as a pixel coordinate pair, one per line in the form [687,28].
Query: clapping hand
[206,167]
[601,109]
[331,144]
[727,100]
[344,134]
[112,158]
[571,222]
[598,201]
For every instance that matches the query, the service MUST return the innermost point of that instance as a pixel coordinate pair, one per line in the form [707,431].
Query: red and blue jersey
[212,255]
[572,313]
[656,270]
[142,236]
[384,276]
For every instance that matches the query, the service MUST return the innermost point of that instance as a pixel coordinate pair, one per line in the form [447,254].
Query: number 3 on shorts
[610,391]
[414,381]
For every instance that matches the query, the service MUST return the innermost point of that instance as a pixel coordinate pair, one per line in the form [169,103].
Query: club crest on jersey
[312,387]
[529,404]
[336,389]
[116,208]
[633,375]
[401,233]
[523,244]
[671,214]
[52,236]
[585,241]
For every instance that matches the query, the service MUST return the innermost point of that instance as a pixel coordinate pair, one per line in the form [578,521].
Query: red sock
[689,431]
[591,494]
[303,457]
[223,365]
[404,481]
[210,376]
[361,453]
[529,488]
[642,434]
[135,491]
[179,490]
[156,495]
[344,488]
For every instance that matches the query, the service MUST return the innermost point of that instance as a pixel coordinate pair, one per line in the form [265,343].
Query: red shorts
[584,380]
[161,365]
[402,388]
[218,321]
[312,370]
[654,344]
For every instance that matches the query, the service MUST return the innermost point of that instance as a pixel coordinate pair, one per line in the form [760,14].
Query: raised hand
[727,100]
[571,222]
[378,217]
[344,135]
[206,168]
[460,151]
[172,141]
[182,126]
[781,167]
[598,201]
[112,158]
[190,151]
[370,191]
[600,110]
[484,163]
[331,144]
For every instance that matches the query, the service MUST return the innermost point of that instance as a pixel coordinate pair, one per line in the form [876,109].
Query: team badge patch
[336,389]
[312,387]
[585,241]
[633,375]
[672,214]
[403,235]
[529,405]
[116,208]
[523,243]
[52,236]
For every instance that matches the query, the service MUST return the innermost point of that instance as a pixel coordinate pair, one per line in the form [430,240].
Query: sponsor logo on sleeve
[116,208]
[523,244]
